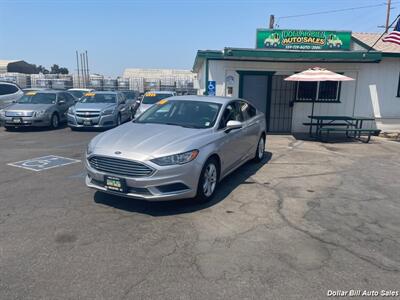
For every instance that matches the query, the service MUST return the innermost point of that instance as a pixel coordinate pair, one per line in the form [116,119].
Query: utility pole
[389,2]
[87,67]
[271,21]
[77,68]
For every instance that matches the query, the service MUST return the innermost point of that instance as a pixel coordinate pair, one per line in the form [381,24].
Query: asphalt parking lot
[311,218]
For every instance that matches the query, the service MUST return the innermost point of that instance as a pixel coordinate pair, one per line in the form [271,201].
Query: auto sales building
[258,76]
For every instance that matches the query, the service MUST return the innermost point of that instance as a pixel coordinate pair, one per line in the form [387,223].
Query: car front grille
[19,113]
[120,166]
[87,114]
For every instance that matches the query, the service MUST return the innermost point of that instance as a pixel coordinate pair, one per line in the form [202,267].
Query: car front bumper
[166,183]
[92,122]
[25,121]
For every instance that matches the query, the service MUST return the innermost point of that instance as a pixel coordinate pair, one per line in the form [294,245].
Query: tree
[64,70]
[56,69]
[41,69]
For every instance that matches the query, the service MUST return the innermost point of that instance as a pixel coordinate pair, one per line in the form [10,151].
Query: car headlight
[39,113]
[89,149]
[107,112]
[71,110]
[2,113]
[176,159]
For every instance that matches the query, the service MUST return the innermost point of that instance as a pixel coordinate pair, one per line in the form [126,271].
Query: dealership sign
[303,39]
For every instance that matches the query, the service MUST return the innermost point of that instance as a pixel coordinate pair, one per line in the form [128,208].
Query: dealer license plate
[17,120]
[115,184]
[87,122]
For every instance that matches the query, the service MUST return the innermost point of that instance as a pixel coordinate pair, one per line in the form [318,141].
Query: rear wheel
[208,180]
[54,121]
[260,149]
[119,120]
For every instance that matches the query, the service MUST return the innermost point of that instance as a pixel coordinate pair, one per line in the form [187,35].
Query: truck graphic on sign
[334,41]
[273,40]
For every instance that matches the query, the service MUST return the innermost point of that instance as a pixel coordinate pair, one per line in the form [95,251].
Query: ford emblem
[117,152]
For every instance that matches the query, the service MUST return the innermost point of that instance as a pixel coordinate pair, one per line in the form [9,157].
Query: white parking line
[43,163]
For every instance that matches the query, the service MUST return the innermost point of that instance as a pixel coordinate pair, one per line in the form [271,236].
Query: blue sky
[159,33]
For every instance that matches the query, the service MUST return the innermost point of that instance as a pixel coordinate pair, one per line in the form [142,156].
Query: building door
[254,87]
[280,112]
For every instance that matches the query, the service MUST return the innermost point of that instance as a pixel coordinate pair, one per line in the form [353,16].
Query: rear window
[151,98]
[99,98]
[6,89]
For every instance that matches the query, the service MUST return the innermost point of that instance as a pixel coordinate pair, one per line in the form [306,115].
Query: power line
[334,11]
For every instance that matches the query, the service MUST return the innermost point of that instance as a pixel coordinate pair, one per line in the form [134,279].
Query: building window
[324,91]
[398,87]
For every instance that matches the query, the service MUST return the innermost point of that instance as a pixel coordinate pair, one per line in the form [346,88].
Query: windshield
[39,98]
[129,95]
[151,98]
[77,94]
[193,114]
[99,98]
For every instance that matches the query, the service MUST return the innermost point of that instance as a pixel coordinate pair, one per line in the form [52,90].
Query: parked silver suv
[42,108]
[99,110]
[9,92]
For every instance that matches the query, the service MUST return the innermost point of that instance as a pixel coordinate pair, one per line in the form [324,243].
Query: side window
[69,97]
[231,112]
[7,89]
[398,87]
[61,97]
[247,110]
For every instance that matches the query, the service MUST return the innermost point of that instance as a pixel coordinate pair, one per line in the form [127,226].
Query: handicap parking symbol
[211,87]
[44,163]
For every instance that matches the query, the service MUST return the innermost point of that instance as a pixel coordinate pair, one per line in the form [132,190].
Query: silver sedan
[99,110]
[181,147]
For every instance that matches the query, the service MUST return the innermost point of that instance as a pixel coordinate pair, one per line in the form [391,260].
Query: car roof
[160,92]
[103,92]
[47,91]
[214,99]
[78,89]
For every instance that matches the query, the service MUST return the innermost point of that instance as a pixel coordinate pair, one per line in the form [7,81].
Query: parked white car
[151,98]
[9,92]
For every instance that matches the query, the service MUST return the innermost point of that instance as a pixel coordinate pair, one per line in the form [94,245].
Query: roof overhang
[244,54]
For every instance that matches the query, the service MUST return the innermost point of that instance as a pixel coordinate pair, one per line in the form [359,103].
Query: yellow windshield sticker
[90,94]
[30,93]
[163,101]
[150,94]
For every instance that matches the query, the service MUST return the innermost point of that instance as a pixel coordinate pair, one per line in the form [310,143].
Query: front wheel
[119,120]
[54,121]
[208,180]
[260,149]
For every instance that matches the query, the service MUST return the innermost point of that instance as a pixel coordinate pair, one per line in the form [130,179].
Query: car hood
[93,106]
[28,107]
[146,141]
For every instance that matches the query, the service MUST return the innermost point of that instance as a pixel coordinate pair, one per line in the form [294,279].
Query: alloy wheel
[210,179]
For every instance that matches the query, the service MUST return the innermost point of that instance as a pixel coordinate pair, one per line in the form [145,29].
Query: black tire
[54,121]
[119,120]
[260,151]
[203,194]
[8,128]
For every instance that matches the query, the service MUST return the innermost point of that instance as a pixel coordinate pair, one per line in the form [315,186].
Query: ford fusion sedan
[150,98]
[181,147]
[99,110]
[42,108]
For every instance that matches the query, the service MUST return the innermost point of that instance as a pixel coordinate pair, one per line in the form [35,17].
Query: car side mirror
[233,124]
